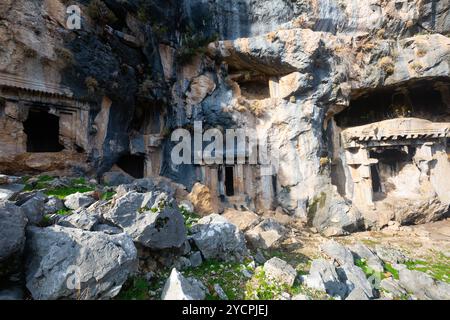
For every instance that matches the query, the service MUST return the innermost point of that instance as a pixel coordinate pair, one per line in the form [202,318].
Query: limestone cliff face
[296,72]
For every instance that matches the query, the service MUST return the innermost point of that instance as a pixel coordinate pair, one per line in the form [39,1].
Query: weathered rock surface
[355,278]
[34,208]
[178,287]
[390,255]
[360,251]
[53,205]
[9,191]
[152,219]
[338,252]
[78,200]
[423,286]
[266,234]
[217,238]
[244,220]
[323,277]
[203,201]
[357,294]
[67,263]
[280,271]
[393,287]
[12,237]
[80,219]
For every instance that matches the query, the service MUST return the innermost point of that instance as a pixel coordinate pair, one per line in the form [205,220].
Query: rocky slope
[351,97]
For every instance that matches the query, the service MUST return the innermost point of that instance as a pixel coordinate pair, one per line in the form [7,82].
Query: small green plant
[389,268]
[190,218]
[439,270]
[64,212]
[135,288]
[108,195]
[41,183]
[262,288]
[368,271]
[227,274]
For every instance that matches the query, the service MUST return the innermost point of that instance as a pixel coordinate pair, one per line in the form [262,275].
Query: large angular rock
[204,202]
[244,220]
[12,237]
[178,287]
[266,234]
[422,285]
[115,178]
[78,200]
[280,271]
[393,287]
[354,277]
[53,205]
[338,252]
[323,277]
[360,251]
[332,215]
[80,219]
[34,208]
[67,263]
[9,191]
[217,238]
[390,254]
[152,219]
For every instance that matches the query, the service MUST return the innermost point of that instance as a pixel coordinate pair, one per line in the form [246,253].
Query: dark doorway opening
[42,130]
[229,181]
[376,181]
[132,164]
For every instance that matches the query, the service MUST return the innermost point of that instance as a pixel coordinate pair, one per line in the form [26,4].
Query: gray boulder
[422,285]
[152,219]
[393,287]
[80,219]
[53,205]
[354,277]
[280,271]
[332,215]
[390,255]
[10,191]
[196,259]
[323,277]
[178,287]
[12,237]
[338,252]
[78,200]
[106,228]
[67,263]
[266,234]
[360,251]
[219,291]
[34,207]
[115,178]
[217,238]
